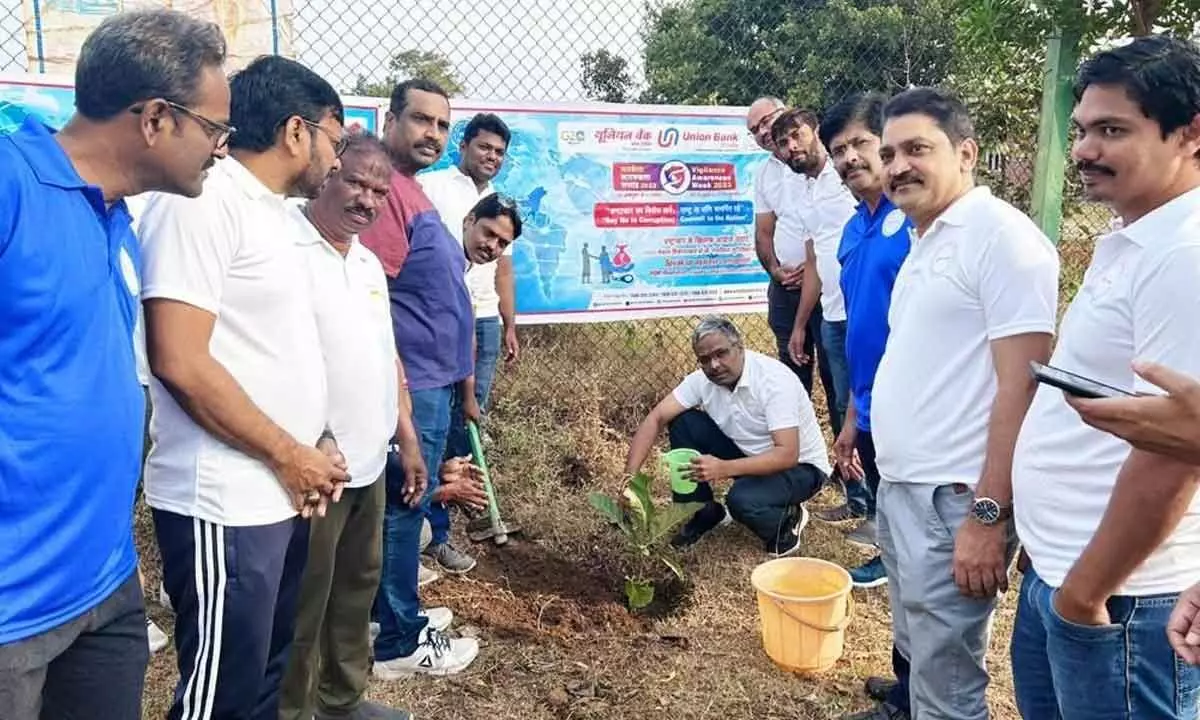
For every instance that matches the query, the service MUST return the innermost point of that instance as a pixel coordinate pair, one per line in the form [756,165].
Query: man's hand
[796,346]
[789,276]
[416,475]
[846,454]
[1183,629]
[707,468]
[1079,612]
[316,503]
[462,484]
[471,409]
[303,469]
[979,554]
[512,347]
[1163,424]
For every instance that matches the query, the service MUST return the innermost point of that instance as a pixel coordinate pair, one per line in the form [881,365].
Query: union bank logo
[668,137]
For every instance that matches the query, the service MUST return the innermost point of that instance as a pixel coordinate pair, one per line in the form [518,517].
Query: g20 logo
[668,137]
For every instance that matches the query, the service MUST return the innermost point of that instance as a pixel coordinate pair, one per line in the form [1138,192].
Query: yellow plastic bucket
[804,605]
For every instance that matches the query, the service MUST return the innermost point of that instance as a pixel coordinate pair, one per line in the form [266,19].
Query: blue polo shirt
[72,407]
[426,268]
[874,246]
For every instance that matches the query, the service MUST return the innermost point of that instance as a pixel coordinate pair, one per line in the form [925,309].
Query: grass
[556,643]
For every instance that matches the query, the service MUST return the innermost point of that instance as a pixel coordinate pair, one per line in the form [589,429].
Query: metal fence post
[1062,57]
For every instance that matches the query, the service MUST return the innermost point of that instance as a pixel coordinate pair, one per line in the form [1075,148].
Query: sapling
[646,529]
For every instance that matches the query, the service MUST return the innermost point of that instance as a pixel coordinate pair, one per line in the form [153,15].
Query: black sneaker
[882,711]
[880,688]
[705,519]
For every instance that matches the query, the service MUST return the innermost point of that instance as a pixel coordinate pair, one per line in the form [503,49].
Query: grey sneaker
[864,534]
[834,515]
[451,559]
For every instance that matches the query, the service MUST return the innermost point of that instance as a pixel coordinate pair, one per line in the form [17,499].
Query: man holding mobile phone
[1112,532]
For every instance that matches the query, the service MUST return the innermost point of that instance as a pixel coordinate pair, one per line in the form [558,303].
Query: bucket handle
[841,624]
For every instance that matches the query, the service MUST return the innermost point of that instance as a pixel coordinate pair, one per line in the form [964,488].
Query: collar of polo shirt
[1162,222]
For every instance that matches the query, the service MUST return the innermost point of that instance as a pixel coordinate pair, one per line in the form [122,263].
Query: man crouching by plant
[752,422]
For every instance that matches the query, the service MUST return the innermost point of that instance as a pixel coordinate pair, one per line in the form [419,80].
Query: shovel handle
[481,462]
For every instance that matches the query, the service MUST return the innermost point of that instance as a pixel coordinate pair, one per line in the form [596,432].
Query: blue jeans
[860,495]
[397,602]
[833,343]
[1123,671]
[458,443]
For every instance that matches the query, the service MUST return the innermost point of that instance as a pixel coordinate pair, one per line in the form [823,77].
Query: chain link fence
[673,52]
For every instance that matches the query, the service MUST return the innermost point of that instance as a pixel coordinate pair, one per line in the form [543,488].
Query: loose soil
[526,590]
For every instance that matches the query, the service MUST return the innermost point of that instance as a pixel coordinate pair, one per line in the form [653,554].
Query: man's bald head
[759,117]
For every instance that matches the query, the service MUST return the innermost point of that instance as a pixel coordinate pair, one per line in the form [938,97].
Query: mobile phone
[1073,384]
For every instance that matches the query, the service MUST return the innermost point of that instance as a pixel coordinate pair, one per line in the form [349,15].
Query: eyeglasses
[339,143]
[219,133]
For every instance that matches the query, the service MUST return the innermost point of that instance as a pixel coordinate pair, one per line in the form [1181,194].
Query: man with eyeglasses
[240,424]
[72,620]
[454,192]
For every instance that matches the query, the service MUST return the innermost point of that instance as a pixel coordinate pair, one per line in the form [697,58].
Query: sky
[502,50]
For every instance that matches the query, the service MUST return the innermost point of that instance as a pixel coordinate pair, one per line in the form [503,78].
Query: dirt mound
[527,590]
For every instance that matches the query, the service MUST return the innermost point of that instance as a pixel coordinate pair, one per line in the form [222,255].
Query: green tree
[408,64]
[605,76]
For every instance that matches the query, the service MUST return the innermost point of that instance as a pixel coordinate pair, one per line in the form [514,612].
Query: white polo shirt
[1139,300]
[232,252]
[777,190]
[826,208]
[768,397]
[983,271]
[454,195]
[354,322]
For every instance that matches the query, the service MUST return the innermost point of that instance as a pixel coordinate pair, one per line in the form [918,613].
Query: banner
[55,29]
[629,211]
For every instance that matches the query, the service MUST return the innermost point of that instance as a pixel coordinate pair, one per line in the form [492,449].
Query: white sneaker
[426,576]
[158,639]
[799,530]
[439,618]
[437,654]
[163,598]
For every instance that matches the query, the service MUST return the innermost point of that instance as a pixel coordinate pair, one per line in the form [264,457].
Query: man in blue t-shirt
[874,244]
[72,620]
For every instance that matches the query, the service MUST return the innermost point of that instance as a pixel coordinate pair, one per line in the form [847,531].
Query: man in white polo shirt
[749,417]
[369,409]
[454,191]
[973,304]
[239,392]
[1113,533]
[779,242]
[824,207]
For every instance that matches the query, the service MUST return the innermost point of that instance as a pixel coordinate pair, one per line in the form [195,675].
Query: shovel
[495,530]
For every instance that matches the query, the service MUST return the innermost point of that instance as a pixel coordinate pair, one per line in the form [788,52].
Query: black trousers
[764,503]
[782,305]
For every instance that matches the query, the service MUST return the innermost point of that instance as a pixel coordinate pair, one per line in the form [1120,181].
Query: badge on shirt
[893,222]
[129,273]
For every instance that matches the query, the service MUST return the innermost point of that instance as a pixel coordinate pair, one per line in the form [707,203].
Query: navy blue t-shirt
[874,246]
[71,403]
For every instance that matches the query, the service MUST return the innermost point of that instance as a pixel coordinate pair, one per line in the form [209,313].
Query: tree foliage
[605,76]
[408,64]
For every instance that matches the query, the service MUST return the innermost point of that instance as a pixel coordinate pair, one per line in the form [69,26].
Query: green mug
[679,465]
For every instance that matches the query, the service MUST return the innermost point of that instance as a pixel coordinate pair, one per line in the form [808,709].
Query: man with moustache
[454,191]
[874,244]
[754,426]
[779,242]
[151,111]
[1112,532]
[434,334]
[823,206]
[973,304]
[369,409]
[239,393]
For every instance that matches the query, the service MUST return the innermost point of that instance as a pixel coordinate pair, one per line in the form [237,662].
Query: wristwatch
[989,512]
